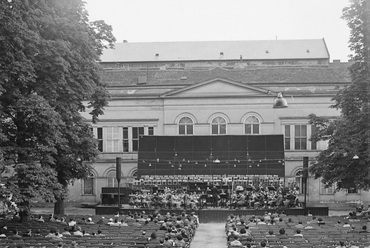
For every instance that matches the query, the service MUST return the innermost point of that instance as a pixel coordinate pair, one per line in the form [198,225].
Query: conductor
[215,196]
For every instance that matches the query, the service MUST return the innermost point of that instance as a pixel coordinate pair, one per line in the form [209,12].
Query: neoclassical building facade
[215,88]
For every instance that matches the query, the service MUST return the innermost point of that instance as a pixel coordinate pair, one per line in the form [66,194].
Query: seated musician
[223,198]
[137,200]
[240,197]
[194,202]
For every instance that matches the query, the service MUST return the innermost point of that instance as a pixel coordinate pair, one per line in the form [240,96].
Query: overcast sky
[219,20]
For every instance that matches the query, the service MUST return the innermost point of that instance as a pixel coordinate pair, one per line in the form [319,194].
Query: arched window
[252,125]
[218,125]
[299,180]
[88,184]
[186,126]
[112,179]
[134,174]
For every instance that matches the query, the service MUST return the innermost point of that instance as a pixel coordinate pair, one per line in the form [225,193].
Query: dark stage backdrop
[211,155]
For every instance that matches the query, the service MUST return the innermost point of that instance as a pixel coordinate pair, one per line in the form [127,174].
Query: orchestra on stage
[214,196]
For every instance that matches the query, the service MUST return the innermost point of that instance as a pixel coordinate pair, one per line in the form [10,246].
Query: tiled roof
[216,50]
[255,76]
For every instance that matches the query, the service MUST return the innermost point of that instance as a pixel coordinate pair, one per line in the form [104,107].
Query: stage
[207,215]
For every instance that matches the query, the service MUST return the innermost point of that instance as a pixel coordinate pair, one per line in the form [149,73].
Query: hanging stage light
[280,102]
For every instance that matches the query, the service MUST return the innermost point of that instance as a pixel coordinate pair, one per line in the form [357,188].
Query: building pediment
[217,87]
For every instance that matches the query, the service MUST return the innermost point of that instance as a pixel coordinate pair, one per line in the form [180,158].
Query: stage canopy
[211,155]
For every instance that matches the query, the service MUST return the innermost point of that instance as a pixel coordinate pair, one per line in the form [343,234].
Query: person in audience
[110,222]
[352,244]
[352,230]
[236,242]
[338,224]
[299,225]
[74,244]
[57,236]
[76,231]
[72,222]
[341,244]
[60,244]
[161,243]
[244,233]
[231,235]
[346,224]
[298,233]
[320,222]
[179,242]
[51,233]
[263,243]
[270,234]
[115,223]
[52,218]
[40,219]
[101,221]
[89,221]
[100,234]
[153,239]
[136,223]
[364,229]
[308,226]
[167,241]
[66,232]
[38,233]
[123,223]
[2,234]
[261,221]
[28,233]
[82,221]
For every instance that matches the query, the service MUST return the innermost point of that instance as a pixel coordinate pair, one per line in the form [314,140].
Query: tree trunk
[59,207]
[24,216]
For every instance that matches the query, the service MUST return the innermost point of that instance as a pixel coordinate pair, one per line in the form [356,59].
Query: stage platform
[207,215]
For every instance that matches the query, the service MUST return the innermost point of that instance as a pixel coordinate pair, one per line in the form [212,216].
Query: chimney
[124,41]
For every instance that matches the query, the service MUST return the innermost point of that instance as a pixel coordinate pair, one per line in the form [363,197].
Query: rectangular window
[222,129]
[352,190]
[248,128]
[136,133]
[287,137]
[112,139]
[214,129]
[256,128]
[150,130]
[100,138]
[300,139]
[189,129]
[313,142]
[125,139]
[326,190]
[182,129]
[89,186]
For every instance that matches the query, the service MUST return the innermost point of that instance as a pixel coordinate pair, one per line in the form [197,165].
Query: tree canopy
[49,69]
[346,161]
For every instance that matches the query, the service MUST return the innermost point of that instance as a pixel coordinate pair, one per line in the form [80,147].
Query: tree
[48,70]
[346,161]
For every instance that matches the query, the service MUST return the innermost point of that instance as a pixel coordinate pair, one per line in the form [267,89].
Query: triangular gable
[217,87]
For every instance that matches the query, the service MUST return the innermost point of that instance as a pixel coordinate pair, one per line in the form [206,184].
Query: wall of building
[203,101]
